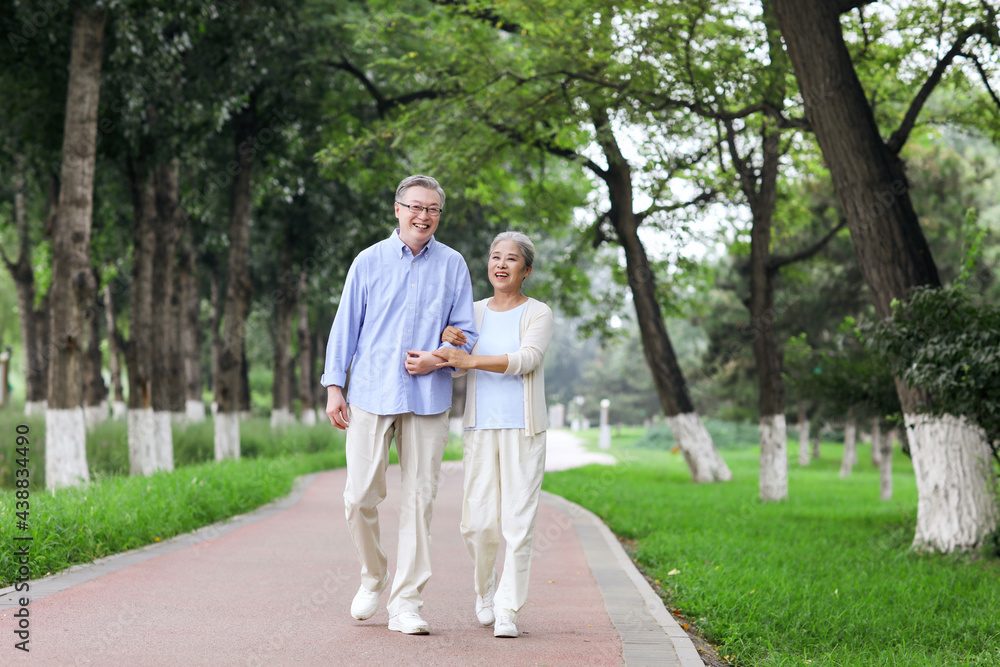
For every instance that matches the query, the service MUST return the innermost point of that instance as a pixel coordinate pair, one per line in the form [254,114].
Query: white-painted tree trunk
[142,441]
[804,453]
[957,506]
[118,410]
[699,451]
[65,448]
[164,439]
[95,414]
[773,458]
[885,466]
[32,408]
[281,418]
[195,411]
[876,441]
[850,447]
[227,436]
[309,417]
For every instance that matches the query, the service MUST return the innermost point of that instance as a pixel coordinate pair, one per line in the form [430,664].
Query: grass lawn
[116,512]
[823,578]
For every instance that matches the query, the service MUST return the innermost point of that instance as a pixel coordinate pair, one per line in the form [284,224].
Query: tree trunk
[114,355]
[876,441]
[72,281]
[885,466]
[306,380]
[246,404]
[38,400]
[850,445]
[952,463]
[817,440]
[165,347]
[21,270]
[143,458]
[804,458]
[893,256]
[190,332]
[95,408]
[285,299]
[703,459]
[231,353]
[177,383]
[773,484]
[215,343]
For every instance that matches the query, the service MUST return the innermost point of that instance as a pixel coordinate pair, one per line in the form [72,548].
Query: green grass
[115,512]
[824,578]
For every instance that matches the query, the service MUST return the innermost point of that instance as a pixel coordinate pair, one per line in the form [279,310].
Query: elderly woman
[505,422]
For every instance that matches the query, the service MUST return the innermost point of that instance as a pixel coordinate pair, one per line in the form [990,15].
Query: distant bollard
[604,439]
[557,416]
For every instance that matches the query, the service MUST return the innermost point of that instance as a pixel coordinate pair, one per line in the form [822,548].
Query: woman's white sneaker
[504,627]
[409,623]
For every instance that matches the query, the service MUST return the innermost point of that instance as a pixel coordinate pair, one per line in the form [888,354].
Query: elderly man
[400,295]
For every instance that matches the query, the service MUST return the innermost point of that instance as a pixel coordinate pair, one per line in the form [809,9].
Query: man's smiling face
[416,229]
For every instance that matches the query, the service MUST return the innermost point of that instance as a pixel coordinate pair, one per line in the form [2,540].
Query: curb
[650,635]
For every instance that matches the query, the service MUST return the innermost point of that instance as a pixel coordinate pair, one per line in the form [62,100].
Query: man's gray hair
[419,181]
[524,244]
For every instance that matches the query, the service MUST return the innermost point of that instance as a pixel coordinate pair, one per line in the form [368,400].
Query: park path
[274,587]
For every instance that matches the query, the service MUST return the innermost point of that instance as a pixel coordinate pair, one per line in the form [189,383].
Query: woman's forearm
[495,363]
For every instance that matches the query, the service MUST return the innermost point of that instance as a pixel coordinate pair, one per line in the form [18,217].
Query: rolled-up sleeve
[534,343]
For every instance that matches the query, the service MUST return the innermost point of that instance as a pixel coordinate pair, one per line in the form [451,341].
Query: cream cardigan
[536,334]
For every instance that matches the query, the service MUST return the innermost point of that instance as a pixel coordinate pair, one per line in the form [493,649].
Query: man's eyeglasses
[417,209]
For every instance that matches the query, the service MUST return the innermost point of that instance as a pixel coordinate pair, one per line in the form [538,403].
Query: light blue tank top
[499,397]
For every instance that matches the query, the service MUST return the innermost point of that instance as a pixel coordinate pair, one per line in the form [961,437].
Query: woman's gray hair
[524,244]
[419,181]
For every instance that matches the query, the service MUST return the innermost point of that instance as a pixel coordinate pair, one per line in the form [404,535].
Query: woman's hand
[452,357]
[453,335]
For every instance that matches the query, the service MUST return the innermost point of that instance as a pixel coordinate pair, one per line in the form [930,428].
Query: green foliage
[824,578]
[944,342]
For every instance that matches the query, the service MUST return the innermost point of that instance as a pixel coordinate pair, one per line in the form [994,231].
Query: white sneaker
[365,602]
[409,623]
[504,627]
[484,603]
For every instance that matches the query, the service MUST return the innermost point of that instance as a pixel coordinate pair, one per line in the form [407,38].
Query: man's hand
[336,407]
[420,362]
[453,335]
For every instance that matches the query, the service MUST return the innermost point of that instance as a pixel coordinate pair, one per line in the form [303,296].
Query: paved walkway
[274,587]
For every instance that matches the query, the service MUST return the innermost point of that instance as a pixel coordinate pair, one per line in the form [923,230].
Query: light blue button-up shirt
[394,302]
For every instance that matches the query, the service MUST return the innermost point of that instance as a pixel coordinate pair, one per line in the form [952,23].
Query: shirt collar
[401,248]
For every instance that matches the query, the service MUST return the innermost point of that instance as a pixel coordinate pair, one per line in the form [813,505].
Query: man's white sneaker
[409,623]
[504,627]
[365,603]
[484,603]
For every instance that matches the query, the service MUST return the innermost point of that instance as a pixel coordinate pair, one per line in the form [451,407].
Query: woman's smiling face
[507,269]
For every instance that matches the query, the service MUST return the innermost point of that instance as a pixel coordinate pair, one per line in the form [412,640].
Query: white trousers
[503,480]
[420,443]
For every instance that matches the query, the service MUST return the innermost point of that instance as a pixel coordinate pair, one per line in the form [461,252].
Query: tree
[892,251]
[72,282]
[550,80]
